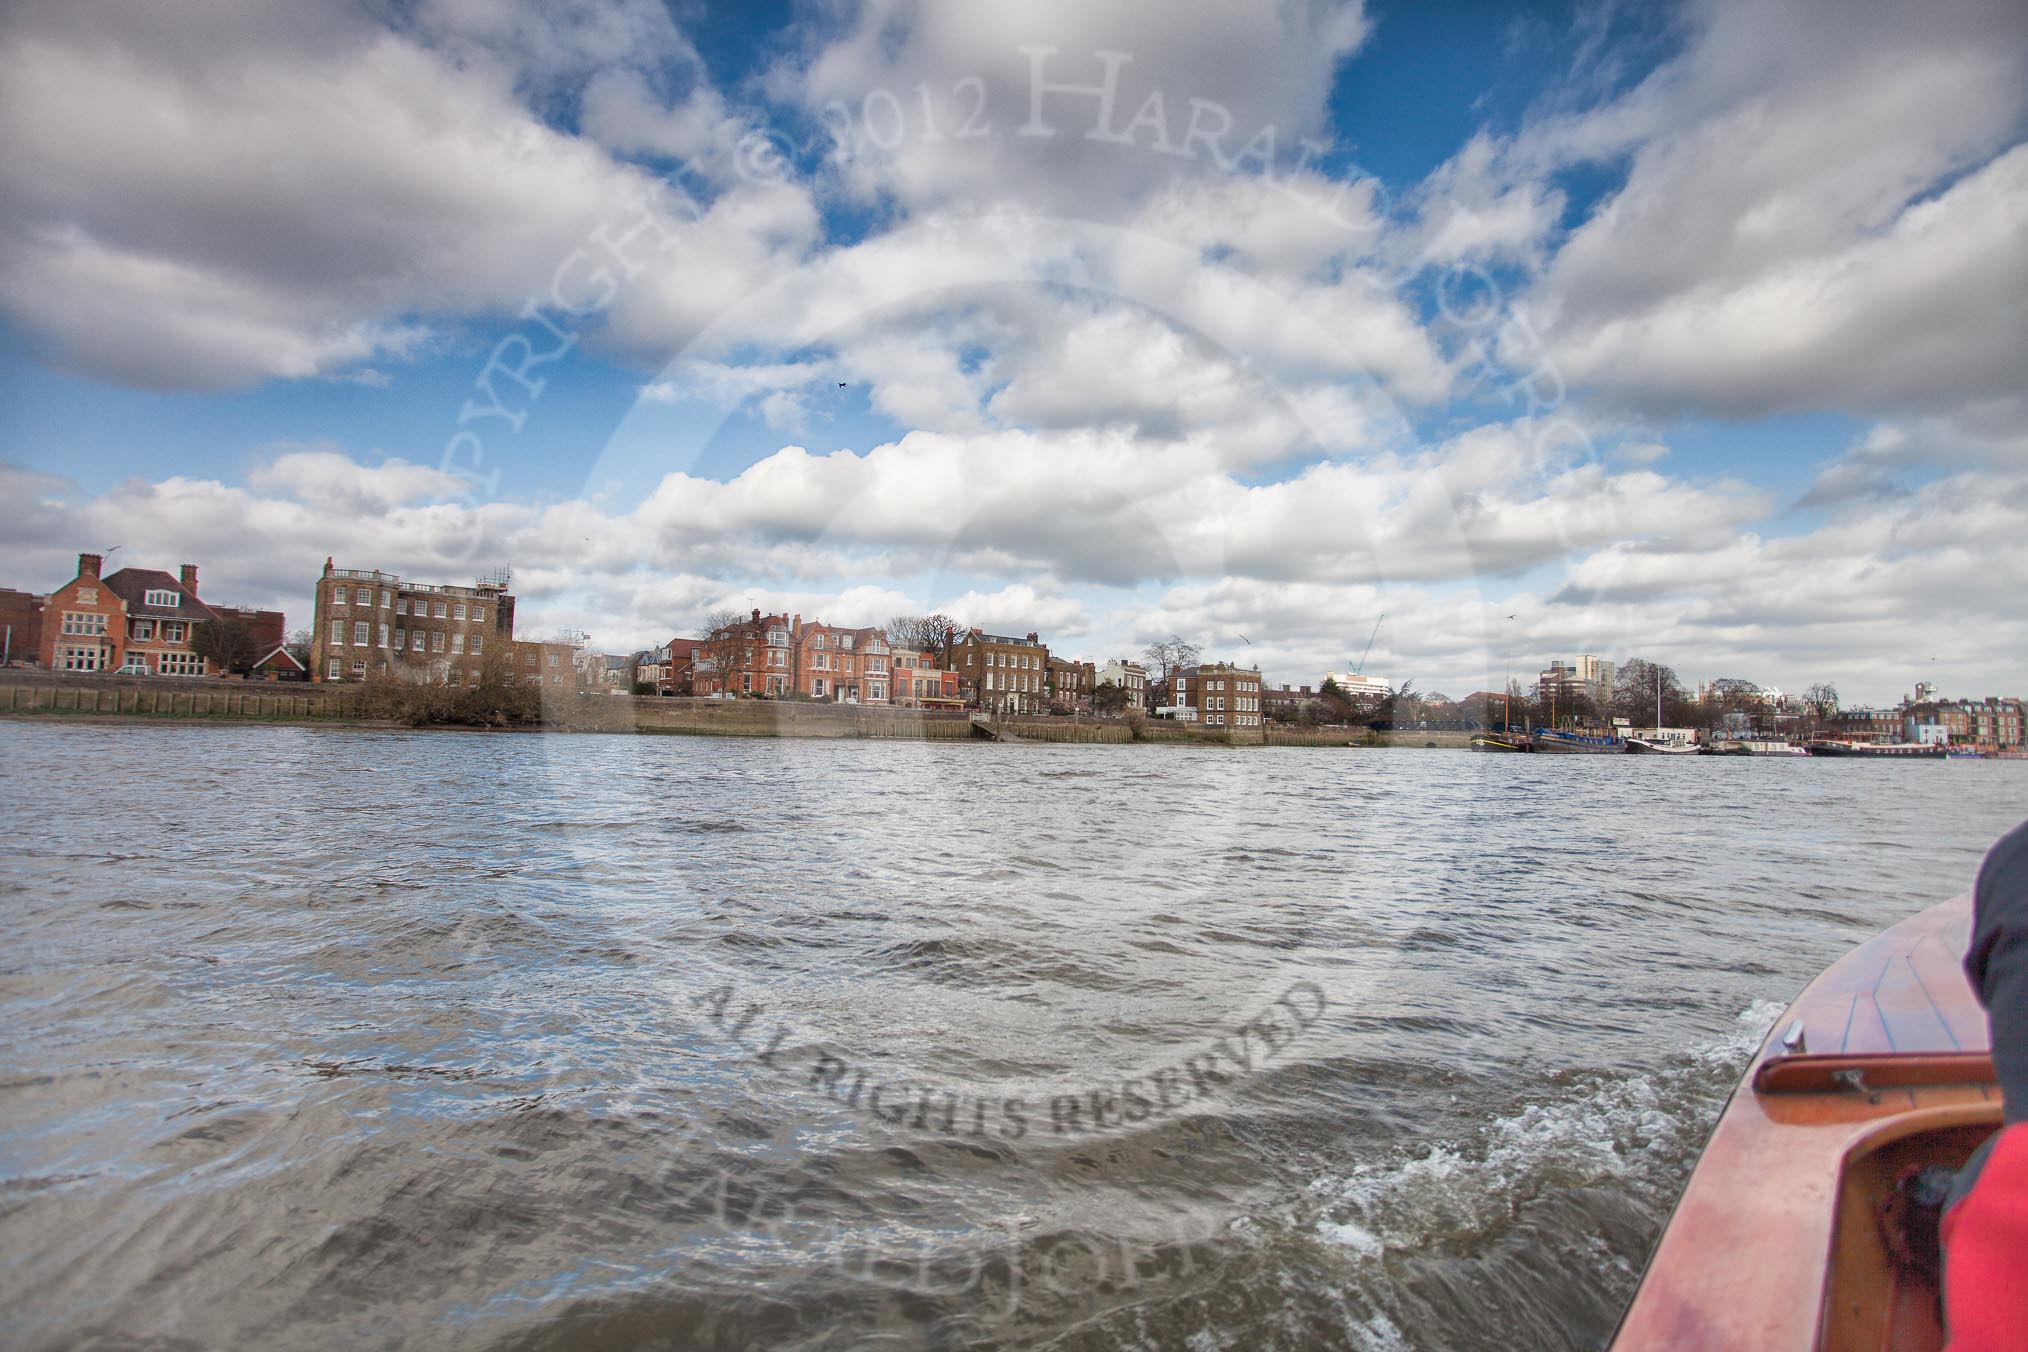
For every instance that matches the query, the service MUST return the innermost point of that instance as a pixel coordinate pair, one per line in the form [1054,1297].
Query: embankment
[72,694]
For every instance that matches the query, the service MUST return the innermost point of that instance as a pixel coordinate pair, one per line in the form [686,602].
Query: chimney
[327,565]
[756,614]
[189,578]
[1033,637]
[88,564]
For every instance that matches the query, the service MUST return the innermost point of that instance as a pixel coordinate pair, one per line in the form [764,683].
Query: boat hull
[1576,744]
[1886,751]
[1776,1243]
[1636,746]
[1494,741]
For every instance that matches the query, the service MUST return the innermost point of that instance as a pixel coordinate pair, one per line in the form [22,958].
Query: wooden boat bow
[1882,1064]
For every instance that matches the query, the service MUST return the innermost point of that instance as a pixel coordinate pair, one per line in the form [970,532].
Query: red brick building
[1071,684]
[1224,695]
[138,621]
[20,627]
[752,657]
[921,682]
[1004,675]
[372,623]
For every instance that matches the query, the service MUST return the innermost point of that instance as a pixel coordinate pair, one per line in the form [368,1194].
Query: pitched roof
[132,585]
[286,657]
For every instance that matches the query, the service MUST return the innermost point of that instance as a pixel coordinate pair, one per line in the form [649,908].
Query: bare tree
[729,642]
[227,643]
[1822,699]
[1634,685]
[925,633]
[1165,657]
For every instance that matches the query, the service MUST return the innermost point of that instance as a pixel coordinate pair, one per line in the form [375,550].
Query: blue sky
[1685,331]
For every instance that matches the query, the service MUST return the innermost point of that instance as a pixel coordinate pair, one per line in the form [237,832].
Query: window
[458,611]
[135,665]
[335,670]
[359,667]
[383,636]
[552,659]
[819,688]
[338,632]
[458,644]
[175,631]
[180,664]
[400,639]
[361,633]
[401,605]
[441,611]
[85,623]
[437,641]
[416,639]
[81,658]
[816,640]
[478,641]
[385,597]
[156,596]
[845,641]
[144,630]
[338,596]
[821,662]
[479,613]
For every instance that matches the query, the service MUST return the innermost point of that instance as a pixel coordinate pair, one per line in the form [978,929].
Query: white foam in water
[1354,1237]
[1379,1334]
[1625,1130]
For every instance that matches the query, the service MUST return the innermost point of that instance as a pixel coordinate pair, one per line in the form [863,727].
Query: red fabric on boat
[1985,1244]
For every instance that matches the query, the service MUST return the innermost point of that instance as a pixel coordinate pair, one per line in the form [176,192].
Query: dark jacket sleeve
[1997,962]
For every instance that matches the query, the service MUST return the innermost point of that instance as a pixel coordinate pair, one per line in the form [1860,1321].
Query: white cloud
[1819,209]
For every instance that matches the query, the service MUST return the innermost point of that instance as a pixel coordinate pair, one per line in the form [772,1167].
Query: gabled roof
[133,584]
[280,657]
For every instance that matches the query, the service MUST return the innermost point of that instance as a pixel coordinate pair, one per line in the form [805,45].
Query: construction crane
[1361,667]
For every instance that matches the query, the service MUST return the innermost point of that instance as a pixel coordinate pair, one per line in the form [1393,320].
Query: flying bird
[841,384]
[1247,641]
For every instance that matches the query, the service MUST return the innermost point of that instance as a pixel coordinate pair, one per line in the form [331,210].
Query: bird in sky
[1247,641]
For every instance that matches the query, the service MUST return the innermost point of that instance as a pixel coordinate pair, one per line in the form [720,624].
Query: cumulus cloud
[1820,207]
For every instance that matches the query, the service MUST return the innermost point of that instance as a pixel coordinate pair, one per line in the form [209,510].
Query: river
[330,1038]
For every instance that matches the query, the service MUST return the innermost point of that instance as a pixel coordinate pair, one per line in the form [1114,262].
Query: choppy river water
[322,1038]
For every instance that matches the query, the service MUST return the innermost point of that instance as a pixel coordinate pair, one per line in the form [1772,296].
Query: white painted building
[1354,684]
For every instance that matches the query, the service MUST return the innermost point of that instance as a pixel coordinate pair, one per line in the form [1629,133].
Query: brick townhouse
[1285,703]
[780,655]
[1989,724]
[1223,695]
[1071,684]
[551,664]
[1005,675]
[143,622]
[852,666]
[370,622]
[922,682]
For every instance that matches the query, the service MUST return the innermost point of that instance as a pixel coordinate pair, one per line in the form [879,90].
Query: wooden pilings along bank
[66,695]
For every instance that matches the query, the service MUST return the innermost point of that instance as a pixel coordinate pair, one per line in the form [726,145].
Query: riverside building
[370,622]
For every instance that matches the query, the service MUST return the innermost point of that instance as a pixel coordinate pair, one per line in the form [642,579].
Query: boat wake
[1581,1179]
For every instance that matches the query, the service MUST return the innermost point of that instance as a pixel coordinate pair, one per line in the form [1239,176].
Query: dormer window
[167,600]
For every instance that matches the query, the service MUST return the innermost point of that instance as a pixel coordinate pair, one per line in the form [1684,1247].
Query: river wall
[28,692]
